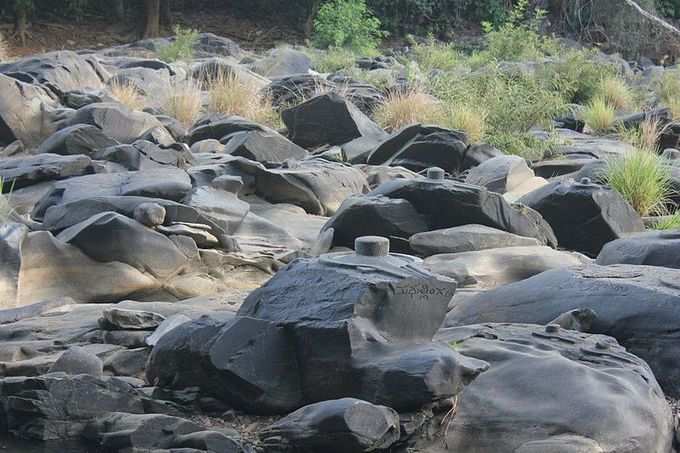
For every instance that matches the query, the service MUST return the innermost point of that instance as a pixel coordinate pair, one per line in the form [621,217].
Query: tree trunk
[152,13]
[21,20]
[166,14]
[308,26]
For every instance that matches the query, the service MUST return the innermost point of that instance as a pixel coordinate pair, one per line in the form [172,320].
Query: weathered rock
[112,237]
[263,146]
[145,155]
[657,248]
[198,233]
[466,204]
[149,214]
[27,112]
[347,425]
[503,174]
[78,139]
[580,320]
[27,171]
[499,266]
[634,304]
[164,183]
[283,61]
[115,121]
[534,398]
[11,239]
[328,120]
[294,89]
[466,238]
[59,406]
[583,215]
[378,174]
[128,362]
[217,127]
[418,147]
[166,326]
[122,319]
[77,360]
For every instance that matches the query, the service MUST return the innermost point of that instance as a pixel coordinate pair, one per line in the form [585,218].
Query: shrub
[347,23]
[468,119]
[524,144]
[668,222]
[229,94]
[334,59]
[645,136]
[403,108]
[615,92]
[518,37]
[182,48]
[127,94]
[436,55]
[599,115]
[668,91]
[642,178]
[184,101]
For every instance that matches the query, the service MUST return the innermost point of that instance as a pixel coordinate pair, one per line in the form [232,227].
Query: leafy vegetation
[615,92]
[436,55]
[642,178]
[334,59]
[349,24]
[182,48]
[599,115]
[668,222]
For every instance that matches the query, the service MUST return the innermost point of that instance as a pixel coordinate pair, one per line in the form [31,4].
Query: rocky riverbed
[328,286]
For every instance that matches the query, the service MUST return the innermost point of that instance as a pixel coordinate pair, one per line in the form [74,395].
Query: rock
[581,320]
[27,112]
[112,237]
[283,61]
[263,146]
[79,139]
[59,406]
[494,267]
[378,174]
[656,248]
[27,171]
[115,121]
[316,185]
[466,238]
[128,362]
[634,304]
[145,155]
[583,215]
[577,146]
[155,432]
[76,99]
[466,204]
[346,425]
[375,351]
[226,67]
[51,268]
[166,326]
[500,174]
[164,183]
[219,126]
[149,214]
[77,360]
[12,236]
[546,405]
[60,71]
[328,120]
[122,319]
[294,89]
[200,236]
[418,147]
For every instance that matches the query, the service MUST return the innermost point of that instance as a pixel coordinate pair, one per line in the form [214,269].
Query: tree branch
[652,17]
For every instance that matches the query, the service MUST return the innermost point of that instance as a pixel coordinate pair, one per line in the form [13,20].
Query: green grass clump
[334,59]
[599,115]
[642,178]
[182,48]
[615,92]
[436,55]
[668,222]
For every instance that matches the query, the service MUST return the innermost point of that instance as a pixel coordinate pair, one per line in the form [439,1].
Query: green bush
[334,59]
[349,24]
[182,47]
[436,55]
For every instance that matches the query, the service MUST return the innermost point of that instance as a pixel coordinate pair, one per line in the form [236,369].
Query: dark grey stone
[654,248]
[76,360]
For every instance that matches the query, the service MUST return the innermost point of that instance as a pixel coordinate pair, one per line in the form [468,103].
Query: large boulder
[494,267]
[553,390]
[217,127]
[263,146]
[294,89]
[465,204]
[346,425]
[583,215]
[27,112]
[637,305]
[19,172]
[115,121]
[328,120]
[359,326]
[418,147]
[78,139]
[12,236]
[281,62]
[466,238]
[654,248]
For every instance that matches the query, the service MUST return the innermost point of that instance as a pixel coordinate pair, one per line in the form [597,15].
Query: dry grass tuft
[231,95]
[127,94]
[468,119]
[403,108]
[184,102]
[615,92]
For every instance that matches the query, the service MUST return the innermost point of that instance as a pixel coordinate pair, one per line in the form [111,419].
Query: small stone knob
[601,345]
[586,181]
[435,173]
[552,328]
[372,246]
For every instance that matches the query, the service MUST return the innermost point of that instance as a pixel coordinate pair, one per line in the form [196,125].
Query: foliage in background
[349,24]
[334,59]
[182,48]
